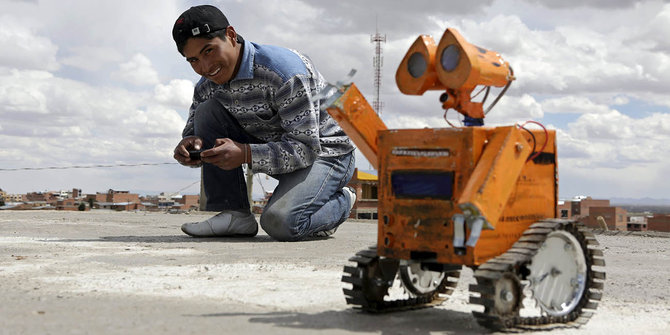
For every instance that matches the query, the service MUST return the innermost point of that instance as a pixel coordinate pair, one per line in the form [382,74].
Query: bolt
[574,282]
[519,147]
[506,295]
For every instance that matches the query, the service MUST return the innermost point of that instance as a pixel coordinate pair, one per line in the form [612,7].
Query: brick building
[579,207]
[116,200]
[70,204]
[637,223]
[45,197]
[659,222]
[615,217]
[365,185]
[15,198]
[587,210]
[187,202]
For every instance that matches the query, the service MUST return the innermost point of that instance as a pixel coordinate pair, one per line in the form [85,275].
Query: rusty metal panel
[423,225]
[359,121]
[494,178]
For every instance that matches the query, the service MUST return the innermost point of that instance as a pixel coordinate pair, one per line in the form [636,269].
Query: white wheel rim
[558,274]
[422,281]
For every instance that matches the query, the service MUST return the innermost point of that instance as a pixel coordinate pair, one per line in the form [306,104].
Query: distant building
[587,210]
[166,202]
[15,198]
[579,207]
[637,223]
[188,202]
[615,217]
[366,187]
[71,204]
[659,222]
[259,204]
[116,200]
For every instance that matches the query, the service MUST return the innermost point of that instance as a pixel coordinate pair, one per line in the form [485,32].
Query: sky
[100,83]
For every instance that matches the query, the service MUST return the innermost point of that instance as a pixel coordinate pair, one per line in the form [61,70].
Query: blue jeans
[304,202]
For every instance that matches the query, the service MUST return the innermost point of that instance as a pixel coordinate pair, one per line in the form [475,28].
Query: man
[258,105]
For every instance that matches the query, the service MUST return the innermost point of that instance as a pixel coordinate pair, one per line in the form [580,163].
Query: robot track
[373,279]
[551,266]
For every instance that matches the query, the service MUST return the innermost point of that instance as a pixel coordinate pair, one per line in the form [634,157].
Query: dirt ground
[135,273]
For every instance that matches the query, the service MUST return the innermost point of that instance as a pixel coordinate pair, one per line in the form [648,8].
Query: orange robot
[481,197]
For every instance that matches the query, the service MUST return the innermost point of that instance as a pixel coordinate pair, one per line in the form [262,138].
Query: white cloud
[22,48]
[512,109]
[615,140]
[608,126]
[573,104]
[178,93]
[107,124]
[571,4]
[137,71]
[91,58]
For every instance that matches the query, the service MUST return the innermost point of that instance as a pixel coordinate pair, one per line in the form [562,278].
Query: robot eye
[416,65]
[450,57]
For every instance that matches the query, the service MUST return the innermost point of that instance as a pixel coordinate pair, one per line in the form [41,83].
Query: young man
[257,105]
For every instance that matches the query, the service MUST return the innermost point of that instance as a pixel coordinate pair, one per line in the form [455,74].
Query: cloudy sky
[85,83]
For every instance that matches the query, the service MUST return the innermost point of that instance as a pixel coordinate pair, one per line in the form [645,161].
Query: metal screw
[506,295]
[574,282]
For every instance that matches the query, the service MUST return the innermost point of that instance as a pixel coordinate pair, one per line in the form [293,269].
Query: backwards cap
[196,22]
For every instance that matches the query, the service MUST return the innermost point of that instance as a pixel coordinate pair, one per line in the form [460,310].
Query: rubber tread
[520,255]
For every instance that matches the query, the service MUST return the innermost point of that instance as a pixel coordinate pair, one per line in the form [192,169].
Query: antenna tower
[378,62]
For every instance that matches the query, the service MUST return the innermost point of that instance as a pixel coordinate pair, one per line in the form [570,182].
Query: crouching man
[258,105]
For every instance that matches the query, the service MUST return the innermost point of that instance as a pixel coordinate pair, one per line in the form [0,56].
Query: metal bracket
[474,223]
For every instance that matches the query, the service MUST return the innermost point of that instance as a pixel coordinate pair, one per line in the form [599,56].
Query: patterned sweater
[271,97]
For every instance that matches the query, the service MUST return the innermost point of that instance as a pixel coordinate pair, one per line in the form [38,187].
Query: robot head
[453,65]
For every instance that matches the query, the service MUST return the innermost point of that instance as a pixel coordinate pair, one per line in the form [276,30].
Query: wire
[534,141]
[509,82]
[84,166]
[183,188]
[480,91]
[445,118]
[546,137]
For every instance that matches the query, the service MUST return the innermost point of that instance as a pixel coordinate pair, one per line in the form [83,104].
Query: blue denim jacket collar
[246,70]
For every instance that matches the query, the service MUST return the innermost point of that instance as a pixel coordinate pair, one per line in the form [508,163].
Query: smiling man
[256,105]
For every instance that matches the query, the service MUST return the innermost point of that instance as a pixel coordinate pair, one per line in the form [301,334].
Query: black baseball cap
[198,21]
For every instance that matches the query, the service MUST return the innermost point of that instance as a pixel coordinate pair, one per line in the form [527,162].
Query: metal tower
[378,62]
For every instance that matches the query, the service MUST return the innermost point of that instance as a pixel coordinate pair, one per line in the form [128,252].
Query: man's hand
[181,151]
[226,154]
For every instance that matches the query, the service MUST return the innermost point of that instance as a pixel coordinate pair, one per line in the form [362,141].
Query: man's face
[213,59]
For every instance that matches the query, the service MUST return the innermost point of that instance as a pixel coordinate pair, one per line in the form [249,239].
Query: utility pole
[378,63]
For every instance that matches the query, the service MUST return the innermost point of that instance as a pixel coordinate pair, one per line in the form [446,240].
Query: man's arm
[299,145]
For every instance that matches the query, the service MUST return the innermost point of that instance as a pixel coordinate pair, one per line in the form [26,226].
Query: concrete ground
[136,273]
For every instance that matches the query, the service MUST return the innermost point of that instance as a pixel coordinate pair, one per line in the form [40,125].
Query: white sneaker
[226,223]
[349,193]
